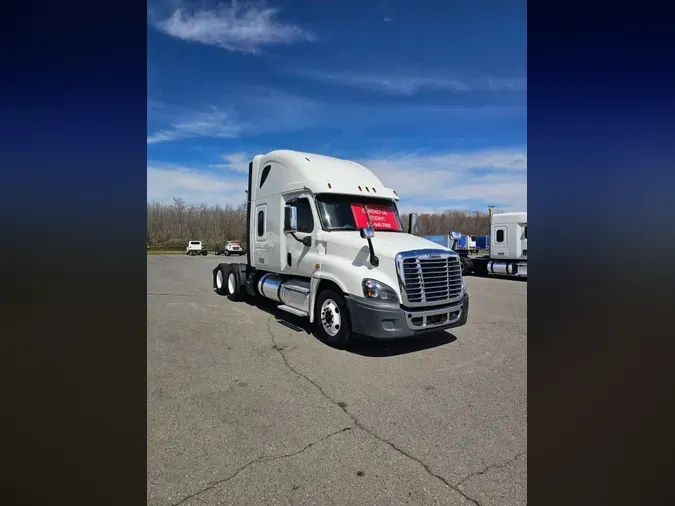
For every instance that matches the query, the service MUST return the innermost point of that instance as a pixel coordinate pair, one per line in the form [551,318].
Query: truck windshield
[348,212]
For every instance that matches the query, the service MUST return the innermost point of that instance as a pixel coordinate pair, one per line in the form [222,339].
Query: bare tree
[169,227]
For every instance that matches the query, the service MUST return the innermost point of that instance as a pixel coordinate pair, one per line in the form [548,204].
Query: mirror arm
[373,259]
[307,240]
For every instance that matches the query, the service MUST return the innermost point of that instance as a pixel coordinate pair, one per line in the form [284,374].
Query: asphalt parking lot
[246,407]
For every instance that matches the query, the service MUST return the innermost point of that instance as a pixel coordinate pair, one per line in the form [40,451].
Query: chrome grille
[431,278]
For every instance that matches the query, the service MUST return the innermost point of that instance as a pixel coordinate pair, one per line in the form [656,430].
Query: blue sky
[432,96]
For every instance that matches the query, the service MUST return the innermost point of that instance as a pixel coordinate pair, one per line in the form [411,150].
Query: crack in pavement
[264,458]
[491,466]
[358,424]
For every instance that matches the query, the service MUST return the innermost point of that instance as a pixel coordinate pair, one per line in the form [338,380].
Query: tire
[227,253]
[329,307]
[204,253]
[221,281]
[236,291]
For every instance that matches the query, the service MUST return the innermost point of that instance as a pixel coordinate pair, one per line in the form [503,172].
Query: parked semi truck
[326,243]
[507,246]
[195,248]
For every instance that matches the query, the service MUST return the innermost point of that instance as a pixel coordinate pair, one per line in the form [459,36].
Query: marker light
[367,189]
[360,189]
[329,186]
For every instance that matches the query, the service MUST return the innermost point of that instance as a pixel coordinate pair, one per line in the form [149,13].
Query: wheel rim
[331,320]
[219,280]
[230,282]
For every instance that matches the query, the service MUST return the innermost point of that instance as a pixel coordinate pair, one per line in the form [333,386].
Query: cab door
[261,248]
[300,259]
[499,242]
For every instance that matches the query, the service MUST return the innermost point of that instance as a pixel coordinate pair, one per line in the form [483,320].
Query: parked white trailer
[326,243]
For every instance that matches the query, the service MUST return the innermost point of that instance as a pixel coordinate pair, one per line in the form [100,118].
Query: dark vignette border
[600,185]
[73,261]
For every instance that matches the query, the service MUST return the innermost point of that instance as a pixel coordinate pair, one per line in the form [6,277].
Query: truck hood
[385,244]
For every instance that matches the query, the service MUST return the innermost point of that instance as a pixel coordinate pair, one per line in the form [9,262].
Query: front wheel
[332,319]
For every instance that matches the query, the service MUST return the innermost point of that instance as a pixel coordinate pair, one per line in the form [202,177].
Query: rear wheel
[221,278]
[228,282]
[332,319]
[235,289]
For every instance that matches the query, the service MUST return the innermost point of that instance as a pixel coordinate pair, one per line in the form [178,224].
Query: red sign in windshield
[382,217]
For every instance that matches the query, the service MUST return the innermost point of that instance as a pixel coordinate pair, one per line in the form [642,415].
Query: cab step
[292,310]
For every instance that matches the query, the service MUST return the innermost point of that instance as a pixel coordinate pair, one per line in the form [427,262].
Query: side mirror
[290,219]
[454,240]
[412,223]
[367,233]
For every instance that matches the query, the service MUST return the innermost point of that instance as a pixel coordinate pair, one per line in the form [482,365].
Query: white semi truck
[326,243]
[195,248]
[508,248]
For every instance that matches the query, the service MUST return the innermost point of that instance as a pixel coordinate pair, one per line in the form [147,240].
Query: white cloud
[194,186]
[234,27]
[412,85]
[237,162]
[239,111]
[456,180]
[213,123]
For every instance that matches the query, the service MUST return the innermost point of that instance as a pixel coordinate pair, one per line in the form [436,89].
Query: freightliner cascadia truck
[326,242]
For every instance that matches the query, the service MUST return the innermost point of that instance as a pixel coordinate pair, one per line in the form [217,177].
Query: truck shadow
[502,277]
[366,347]
[360,345]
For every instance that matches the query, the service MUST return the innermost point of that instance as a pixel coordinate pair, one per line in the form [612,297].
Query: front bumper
[381,321]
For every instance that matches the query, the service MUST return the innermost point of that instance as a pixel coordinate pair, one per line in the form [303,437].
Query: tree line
[171,226]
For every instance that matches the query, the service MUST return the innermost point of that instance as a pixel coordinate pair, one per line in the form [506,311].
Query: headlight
[376,290]
[464,288]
